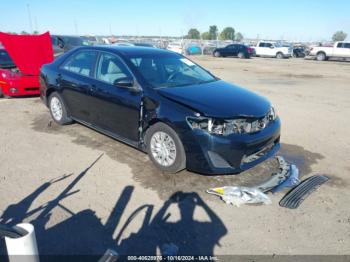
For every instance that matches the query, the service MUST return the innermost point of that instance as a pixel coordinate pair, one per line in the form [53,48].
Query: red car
[21,58]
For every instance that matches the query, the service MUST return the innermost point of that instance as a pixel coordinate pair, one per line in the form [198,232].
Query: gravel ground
[86,192]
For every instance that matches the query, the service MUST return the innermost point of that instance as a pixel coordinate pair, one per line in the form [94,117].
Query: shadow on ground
[143,170]
[83,233]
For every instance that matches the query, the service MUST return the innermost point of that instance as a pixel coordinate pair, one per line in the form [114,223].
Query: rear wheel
[165,148]
[58,110]
[321,56]
[217,54]
[241,55]
[279,55]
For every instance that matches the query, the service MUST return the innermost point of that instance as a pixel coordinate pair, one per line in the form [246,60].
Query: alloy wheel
[163,149]
[56,108]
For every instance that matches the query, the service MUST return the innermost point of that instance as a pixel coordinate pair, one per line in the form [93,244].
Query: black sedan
[238,50]
[164,104]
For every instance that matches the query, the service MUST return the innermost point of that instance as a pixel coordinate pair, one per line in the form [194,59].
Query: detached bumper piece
[297,195]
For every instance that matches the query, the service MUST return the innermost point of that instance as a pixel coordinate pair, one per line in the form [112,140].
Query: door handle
[93,88]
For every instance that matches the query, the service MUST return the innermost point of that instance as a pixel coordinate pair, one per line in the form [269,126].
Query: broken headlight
[232,126]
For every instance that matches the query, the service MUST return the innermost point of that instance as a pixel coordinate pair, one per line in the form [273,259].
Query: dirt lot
[81,189]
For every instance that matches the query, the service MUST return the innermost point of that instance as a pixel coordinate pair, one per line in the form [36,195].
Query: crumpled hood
[28,52]
[219,99]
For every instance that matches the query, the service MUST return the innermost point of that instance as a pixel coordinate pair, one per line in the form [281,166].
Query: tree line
[228,33]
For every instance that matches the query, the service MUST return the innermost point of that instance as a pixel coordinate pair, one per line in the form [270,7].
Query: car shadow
[83,233]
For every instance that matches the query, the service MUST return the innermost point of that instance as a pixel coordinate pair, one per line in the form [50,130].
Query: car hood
[218,99]
[28,52]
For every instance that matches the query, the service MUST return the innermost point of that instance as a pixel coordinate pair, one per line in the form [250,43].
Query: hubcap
[163,149]
[56,108]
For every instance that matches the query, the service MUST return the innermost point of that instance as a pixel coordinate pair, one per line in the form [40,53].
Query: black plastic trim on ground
[298,194]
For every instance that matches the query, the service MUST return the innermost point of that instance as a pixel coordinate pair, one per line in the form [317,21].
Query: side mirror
[272,47]
[125,82]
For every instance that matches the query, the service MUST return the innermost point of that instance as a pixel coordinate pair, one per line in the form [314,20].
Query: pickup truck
[340,50]
[273,49]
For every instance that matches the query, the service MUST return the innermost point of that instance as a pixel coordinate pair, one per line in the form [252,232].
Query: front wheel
[165,148]
[58,110]
[217,54]
[321,56]
[279,56]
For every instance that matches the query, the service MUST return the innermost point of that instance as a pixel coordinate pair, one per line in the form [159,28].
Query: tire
[279,55]
[3,96]
[241,55]
[156,135]
[56,104]
[217,54]
[321,56]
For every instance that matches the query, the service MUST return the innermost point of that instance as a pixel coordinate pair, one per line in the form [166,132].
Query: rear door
[338,50]
[347,49]
[116,109]
[342,50]
[234,50]
[75,81]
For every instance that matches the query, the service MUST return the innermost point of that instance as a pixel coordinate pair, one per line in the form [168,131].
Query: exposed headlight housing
[232,126]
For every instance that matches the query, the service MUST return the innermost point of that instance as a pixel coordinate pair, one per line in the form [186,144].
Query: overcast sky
[307,20]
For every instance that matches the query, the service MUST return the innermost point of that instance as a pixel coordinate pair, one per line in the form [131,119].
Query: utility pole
[36,24]
[30,19]
[76,27]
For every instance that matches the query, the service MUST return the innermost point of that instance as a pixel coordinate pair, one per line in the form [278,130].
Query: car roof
[129,50]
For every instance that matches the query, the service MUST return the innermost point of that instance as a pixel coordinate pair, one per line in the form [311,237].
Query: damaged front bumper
[215,154]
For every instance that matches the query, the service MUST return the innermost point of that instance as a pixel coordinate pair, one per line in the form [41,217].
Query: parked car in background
[20,60]
[273,49]
[339,51]
[238,50]
[298,52]
[123,44]
[175,47]
[163,104]
[145,45]
[193,49]
[64,43]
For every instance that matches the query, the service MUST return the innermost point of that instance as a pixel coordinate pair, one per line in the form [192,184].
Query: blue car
[164,104]
[193,50]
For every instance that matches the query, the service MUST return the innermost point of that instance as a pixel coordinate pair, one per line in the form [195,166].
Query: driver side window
[110,69]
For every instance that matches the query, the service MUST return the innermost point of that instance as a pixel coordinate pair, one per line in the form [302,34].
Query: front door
[115,109]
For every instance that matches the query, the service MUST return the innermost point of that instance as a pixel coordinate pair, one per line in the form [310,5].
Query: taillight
[250,50]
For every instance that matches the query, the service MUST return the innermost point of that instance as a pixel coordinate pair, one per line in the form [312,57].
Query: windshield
[5,60]
[170,70]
